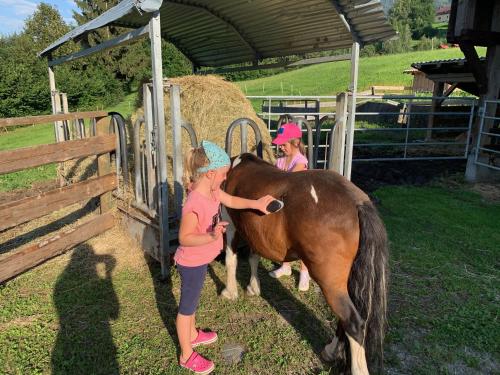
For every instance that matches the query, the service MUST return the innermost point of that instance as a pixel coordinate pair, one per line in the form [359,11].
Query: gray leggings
[192,280]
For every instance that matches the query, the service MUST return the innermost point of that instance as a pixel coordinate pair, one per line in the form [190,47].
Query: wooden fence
[26,209]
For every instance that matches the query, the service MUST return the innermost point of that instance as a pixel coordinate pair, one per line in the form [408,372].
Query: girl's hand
[219,229]
[263,202]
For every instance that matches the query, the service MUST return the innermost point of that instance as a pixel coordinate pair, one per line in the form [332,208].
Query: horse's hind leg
[333,281]
[231,289]
[253,288]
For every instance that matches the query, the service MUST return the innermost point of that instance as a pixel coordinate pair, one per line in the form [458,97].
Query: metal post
[352,110]
[150,181]
[269,115]
[161,152]
[468,140]
[175,107]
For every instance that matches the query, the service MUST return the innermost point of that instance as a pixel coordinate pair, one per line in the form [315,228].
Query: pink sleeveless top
[297,159]
[207,212]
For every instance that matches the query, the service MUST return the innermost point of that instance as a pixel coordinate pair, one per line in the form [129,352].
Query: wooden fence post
[339,146]
[104,162]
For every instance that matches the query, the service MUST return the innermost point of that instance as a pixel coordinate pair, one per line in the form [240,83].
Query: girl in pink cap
[289,142]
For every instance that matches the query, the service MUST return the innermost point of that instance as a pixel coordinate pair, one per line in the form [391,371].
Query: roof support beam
[347,21]
[220,17]
[120,40]
[478,69]
[161,148]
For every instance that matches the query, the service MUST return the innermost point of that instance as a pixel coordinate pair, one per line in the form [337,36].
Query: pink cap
[287,132]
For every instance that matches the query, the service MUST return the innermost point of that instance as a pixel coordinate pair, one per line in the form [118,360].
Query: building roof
[454,71]
[443,10]
[223,32]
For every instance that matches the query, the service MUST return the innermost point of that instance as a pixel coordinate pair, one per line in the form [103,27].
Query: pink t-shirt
[207,211]
[297,159]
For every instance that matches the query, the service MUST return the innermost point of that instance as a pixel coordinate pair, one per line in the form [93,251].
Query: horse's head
[243,169]
[247,159]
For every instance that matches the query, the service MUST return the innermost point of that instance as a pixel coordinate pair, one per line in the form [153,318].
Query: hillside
[332,78]
[389,3]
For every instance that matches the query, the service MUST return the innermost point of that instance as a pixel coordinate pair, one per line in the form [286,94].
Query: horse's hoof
[229,295]
[329,352]
[251,291]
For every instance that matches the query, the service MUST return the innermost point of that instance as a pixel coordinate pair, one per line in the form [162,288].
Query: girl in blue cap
[200,238]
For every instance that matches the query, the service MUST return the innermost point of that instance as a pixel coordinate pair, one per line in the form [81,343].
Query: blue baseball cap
[217,157]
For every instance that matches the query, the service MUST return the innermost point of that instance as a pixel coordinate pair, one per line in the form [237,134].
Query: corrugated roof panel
[221,32]
[120,10]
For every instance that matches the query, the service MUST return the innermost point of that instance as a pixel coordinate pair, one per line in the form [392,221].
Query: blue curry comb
[275,206]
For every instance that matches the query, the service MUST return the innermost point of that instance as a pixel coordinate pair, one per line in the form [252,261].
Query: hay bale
[210,104]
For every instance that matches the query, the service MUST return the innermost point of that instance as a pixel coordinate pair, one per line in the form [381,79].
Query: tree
[417,14]
[24,84]
[130,63]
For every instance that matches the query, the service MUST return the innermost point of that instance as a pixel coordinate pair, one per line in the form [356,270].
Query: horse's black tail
[368,282]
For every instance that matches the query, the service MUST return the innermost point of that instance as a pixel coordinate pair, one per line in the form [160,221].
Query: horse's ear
[235,161]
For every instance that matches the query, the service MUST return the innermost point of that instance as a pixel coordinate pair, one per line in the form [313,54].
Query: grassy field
[332,78]
[100,308]
[24,137]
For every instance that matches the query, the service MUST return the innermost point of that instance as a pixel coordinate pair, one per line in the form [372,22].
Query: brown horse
[332,226]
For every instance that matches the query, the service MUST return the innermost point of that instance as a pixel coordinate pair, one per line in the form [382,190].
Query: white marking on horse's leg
[236,161]
[328,351]
[313,194]
[358,358]
[231,290]
[253,288]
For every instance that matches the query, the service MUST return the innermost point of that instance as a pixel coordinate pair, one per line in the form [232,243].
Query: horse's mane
[251,158]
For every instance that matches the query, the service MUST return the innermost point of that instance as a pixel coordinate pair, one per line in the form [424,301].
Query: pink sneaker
[204,338]
[198,364]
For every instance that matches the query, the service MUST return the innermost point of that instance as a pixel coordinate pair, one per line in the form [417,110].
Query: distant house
[443,14]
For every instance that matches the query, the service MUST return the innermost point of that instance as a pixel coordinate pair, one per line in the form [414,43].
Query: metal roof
[222,32]
[453,71]
[443,65]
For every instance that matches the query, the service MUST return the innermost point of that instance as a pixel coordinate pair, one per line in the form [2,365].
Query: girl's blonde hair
[297,142]
[194,159]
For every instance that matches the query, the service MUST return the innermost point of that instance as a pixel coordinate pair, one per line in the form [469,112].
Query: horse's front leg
[231,289]
[253,288]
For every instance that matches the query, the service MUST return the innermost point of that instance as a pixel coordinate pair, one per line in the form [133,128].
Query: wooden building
[477,23]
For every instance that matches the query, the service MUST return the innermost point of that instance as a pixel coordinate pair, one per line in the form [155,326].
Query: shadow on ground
[86,302]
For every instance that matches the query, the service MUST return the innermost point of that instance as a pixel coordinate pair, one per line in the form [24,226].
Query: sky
[14,12]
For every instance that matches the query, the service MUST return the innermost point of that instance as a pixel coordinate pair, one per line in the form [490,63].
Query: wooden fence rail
[21,211]
[43,119]
[24,210]
[31,255]
[29,157]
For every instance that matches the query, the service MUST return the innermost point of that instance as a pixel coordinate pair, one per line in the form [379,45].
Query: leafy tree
[418,14]
[130,63]
[24,85]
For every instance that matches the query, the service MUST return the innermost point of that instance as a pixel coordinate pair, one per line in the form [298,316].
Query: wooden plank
[29,157]
[33,254]
[104,162]
[44,119]
[21,211]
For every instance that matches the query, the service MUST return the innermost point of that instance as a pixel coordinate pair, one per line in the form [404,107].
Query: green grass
[444,289]
[333,78]
[25,137]
[66,317]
